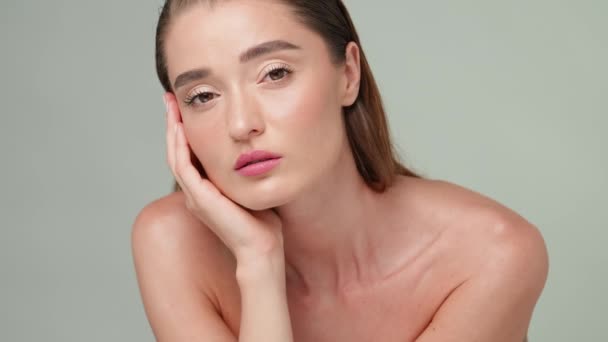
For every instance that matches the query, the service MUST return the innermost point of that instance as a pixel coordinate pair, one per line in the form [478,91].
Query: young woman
[292,218]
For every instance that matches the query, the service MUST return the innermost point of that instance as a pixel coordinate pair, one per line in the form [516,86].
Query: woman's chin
[262,195]
[260,199]
[260,202]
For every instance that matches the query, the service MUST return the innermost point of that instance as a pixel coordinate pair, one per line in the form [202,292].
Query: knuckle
[194,203]
[189,204]
[178,167]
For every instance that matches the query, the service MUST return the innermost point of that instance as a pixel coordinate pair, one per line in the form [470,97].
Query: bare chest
[398,310]
[377,320]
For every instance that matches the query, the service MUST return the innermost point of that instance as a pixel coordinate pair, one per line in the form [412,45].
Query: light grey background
[505,97]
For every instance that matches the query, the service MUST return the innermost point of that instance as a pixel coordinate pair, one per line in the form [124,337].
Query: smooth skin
[330,260]
[476,279]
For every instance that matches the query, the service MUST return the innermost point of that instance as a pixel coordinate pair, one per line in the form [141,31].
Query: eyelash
[288,71]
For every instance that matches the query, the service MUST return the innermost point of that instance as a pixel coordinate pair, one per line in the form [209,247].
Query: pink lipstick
[256,162]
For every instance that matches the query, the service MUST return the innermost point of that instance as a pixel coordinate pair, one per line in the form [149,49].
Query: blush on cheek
[304,106]
[203,144]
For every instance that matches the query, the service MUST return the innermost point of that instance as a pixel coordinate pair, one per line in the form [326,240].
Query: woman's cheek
[299,105]
[204,144]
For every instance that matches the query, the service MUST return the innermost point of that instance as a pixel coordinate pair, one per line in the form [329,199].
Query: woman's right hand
[248,234]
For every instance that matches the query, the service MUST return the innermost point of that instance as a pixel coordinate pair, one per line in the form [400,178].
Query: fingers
[173,120]
[178,150]
[202,198]
[177,147]
[233,225]
[187,175]
[170,131]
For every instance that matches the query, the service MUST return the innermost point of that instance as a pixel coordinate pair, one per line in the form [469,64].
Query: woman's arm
[176,261]
[264,310]
[254,238]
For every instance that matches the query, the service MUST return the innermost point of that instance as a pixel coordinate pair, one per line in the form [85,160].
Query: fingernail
[166,104]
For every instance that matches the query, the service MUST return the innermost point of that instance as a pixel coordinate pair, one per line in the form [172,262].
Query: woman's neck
[335,234]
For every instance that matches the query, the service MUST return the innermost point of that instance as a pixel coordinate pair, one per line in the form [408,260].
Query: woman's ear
[352,74]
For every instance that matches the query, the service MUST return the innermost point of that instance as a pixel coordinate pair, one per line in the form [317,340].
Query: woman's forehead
[234,19]
[228,33]
[235,25]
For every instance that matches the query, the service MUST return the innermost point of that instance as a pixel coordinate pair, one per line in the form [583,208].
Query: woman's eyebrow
[266,48]
[250,54]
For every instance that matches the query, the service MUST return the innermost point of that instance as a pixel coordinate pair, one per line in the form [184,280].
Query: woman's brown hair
[365,120]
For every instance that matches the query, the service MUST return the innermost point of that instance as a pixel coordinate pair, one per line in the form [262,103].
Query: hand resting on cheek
[247,233]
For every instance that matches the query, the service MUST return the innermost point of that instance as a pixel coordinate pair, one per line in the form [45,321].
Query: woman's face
[286,101]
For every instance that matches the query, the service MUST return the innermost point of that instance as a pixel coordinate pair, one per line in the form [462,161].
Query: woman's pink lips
[258,168]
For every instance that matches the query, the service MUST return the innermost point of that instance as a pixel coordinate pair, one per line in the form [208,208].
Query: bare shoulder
[167,226]
[477,229]
[458,208]
[180,266]
[168,218]
[488,264]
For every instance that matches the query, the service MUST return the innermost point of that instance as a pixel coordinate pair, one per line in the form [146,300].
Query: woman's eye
[278,73]
[275,75]
[203,97]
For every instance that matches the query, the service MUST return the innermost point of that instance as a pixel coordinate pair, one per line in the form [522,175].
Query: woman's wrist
[264,307]
[261,266]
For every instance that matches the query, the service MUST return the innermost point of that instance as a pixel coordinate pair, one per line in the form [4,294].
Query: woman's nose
[244,119]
